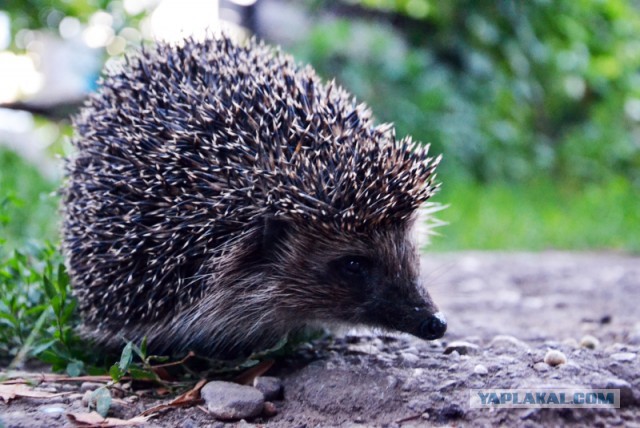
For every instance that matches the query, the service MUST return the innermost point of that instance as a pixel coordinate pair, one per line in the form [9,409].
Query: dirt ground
[513,307]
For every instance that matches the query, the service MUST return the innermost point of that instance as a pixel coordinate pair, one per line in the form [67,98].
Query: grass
[538,216]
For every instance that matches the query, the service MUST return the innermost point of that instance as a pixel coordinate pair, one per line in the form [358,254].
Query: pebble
[555,358]
[450,384]
[462,347]
[86,398]
[507,343]
[450,411]
[409,358]
[627,397]
[269,409]
[540,367]
[90,386]
[52,410]
[589,342]
[270,386]
[410,384]
[230,401]
[571,368]
[418,405]
[481,370]
[392,382]
[623,356]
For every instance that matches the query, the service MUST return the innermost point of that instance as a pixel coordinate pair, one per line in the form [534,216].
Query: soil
[512,307]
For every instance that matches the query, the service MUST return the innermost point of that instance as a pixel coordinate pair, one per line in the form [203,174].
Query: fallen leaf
[247,377]
[9,392]
[189,398]
[93,419]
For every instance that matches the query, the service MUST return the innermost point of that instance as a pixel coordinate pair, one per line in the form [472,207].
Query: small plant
[37,311]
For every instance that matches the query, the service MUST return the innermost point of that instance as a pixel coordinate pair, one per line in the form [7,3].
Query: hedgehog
[222,197]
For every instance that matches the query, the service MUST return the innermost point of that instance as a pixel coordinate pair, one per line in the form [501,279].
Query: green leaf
[115,373]
[102,399]
[140,374]
[63,277]
[36,351]
[125,357]
[67,312]
[49,289]
[75,368]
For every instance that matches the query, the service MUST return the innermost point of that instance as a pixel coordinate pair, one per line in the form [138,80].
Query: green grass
[541,215]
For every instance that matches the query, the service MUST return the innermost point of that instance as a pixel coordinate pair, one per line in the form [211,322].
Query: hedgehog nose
[433,327]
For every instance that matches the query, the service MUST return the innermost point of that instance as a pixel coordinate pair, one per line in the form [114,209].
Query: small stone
[87,399]
[570,342]
[450,384]
[507,343]
[623,356]
[52,410]
[540,367]
[90,386]
[392,382]
[230,401]
[529,413]
[450,412]
[270,386]
[589,342]
[410,384]
[409,358]
[627,397]
[462,347]
[419,404]
[454,355]
[269,409]
[481,370]
[555,358]
[571,368]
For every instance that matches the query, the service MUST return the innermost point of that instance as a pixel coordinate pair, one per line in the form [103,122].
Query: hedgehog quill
[222,197]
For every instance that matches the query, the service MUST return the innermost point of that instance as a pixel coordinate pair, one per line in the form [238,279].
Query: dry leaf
[9,392]
[93,419]
[189,398]
[247,377]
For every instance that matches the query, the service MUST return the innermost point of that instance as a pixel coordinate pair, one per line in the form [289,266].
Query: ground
[513,307]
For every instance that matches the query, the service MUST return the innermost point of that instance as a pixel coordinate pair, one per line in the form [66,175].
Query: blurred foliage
[28,204]
[47,15]
[38,14]
[540,216]
[535,104]
[507,90]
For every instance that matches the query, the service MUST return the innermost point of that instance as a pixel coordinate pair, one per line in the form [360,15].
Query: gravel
[509,310]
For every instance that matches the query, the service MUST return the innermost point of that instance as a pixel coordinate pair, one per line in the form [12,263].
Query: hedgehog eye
[354,266]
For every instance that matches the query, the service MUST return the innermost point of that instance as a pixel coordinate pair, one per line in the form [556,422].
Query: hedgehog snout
[432,327]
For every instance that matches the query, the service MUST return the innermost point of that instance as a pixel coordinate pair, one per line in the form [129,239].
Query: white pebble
[623,356]
[589,342]
[555,358]
[480,370]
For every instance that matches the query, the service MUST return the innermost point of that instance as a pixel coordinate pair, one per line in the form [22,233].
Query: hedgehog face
[370,279]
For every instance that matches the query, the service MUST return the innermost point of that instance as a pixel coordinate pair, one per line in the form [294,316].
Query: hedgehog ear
[274,231]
